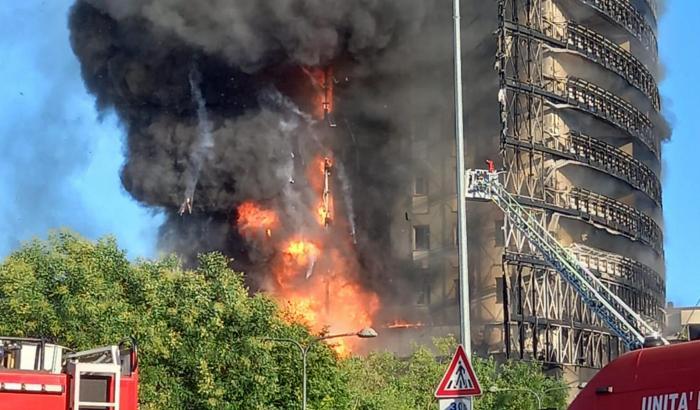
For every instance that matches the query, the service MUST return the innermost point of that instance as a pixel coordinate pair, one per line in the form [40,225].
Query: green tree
[202,336]
[381,381]
[200,332]
[518,386]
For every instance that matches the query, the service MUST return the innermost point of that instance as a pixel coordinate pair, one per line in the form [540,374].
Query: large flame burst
[315,279]
[314,272]
[252,218]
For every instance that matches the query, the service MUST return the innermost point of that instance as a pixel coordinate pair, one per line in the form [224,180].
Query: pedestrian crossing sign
[460,379]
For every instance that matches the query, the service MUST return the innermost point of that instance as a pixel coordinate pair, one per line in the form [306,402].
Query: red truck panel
[11,399]
[659,378]
[129,399]
[31,400]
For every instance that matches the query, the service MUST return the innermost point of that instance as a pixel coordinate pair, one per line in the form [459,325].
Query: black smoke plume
[217,103]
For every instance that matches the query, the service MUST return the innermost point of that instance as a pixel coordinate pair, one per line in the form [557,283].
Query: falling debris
[312,265]
[347,201]
[186,207]
[327,207]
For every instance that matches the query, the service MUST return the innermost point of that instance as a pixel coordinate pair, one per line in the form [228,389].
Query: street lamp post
[464,303]
[365,333]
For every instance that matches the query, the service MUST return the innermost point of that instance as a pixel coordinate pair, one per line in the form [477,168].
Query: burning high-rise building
[313,143]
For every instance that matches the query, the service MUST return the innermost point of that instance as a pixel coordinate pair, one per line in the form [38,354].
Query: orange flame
[302,251]
[322,81]
[402,324]
[315,276]
[252,218]
[341,347]
[319,288]
[325,212]
[297,261]
[302,310]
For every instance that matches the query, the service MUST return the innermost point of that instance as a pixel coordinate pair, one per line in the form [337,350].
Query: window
[421,237]
[500,284]
[424,295]
[420,185]
[420,150]
[500,232]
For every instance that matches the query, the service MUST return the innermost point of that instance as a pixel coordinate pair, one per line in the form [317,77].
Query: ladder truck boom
[624,322]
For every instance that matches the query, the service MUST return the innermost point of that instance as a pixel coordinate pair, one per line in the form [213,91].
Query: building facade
[563,95]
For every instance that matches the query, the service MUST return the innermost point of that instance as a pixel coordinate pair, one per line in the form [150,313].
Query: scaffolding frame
[596,154]
[575,38]
[544,318]
[622,13]
[573,93]
[547,321]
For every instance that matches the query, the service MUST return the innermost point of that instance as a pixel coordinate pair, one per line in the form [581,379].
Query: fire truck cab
[37,375]
[657,378]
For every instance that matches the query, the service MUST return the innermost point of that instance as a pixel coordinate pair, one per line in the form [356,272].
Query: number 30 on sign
[456,404]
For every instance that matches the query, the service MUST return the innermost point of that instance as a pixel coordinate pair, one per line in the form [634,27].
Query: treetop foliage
[200,333]
[202,336]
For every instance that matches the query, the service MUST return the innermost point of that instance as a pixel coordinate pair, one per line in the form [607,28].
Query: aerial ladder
[628,325]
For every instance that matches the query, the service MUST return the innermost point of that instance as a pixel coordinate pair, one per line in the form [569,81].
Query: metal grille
[600,209]
[614,58]
[547,321]
[598,155]
[591,45]
[623,14]
[584,96]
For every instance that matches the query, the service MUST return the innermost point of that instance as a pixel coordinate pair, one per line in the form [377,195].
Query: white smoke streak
[204,143]
[347,198]
[312,265]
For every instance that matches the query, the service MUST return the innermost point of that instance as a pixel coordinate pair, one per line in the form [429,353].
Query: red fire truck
[36,375]
[657,378]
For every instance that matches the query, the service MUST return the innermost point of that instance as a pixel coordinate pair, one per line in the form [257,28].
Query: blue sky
[60,163]
[679,44]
